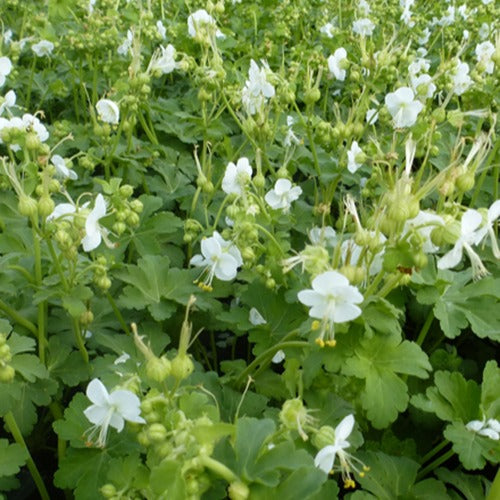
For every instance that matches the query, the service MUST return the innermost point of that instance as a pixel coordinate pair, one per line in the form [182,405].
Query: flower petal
[325,458]
[324,282]
[344,428]
[97,392]
[96,414]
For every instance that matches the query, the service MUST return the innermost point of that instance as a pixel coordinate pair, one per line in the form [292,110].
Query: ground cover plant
[248,249]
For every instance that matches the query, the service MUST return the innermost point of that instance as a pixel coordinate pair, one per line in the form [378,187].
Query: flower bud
[311,96]
[86,318]
[126,190]
[7,373]
[32,141]
[119,228]
[45,206]
[27,206]
[293,416]
[238,491]
[157,433]
[465,182]
[324,437]
[420,260]
[108,490]
[158,369]
[259,181]
[137,206]
[182,366]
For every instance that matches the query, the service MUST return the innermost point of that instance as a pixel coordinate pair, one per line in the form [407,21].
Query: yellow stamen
[315,325]
[331,343]
[349,483]
[320,342]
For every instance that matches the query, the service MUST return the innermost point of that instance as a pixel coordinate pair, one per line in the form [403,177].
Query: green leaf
[471,487]
[18,343]
[29,366]
[472,449]
[76,302]
[452,398]
[378,360]
[167,481]
[74,425]
[152,284]
[490,400]
[12,458]
[380,315]
[250,436]
[303,483]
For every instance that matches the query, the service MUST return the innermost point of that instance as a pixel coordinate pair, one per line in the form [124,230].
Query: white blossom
[484,53]
[352,154]
[335,64]
[461,80]
[31,122]
[126,45]
[255,317]
[162,31]
[290,137]
[236,176]
[257,89]
[327,29]
[163,60]
[9,101]
[371,116]
[363,27]
[489,428]
[220,258]
[200,22]
[424,223]
[402,107]
[108,111]
[323,236]
[422,86]
[333,300]
[469,235]
[93,231]
[61,168]
[282,195]
[43,48]
[487,228]
[110,409]
[418,65]
[5,69]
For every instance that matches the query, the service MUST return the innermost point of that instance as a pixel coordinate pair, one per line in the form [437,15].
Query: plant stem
[436,463]
[38,276]
[220,469]
[495,488]
[16,433]
[266,356]
[118,314]
[425,328]
[434,450]
[18,318]
[79,340]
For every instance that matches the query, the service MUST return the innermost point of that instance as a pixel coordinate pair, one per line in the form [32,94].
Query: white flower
[484,53]
[110,410]
[424,223]
[255,317]
[108,111]
[364,7]
[351,253]
[363,27]
[7,37]
[484,31]
[62,210]
[486,2]
[290,137]
[220,258]
[461,80]
[282,195]
[402,107]
[327,30]
[487,228]
[371,116]
[418,65]
[471,220]
[449,18]
[333,300]
[423,86]
[9,101]
[31,122]
[163,60]
[126,45]
[424,38]
[355,151]
[257,89]
[162,31]
[323,236]
[121,359]
[462,10]
[5,69]
[90,8]
[325,458]
[43,48]
[489,429]
[335,64]
[201,21]
[62,169]
[93,231]
[236,176]
[278,357]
